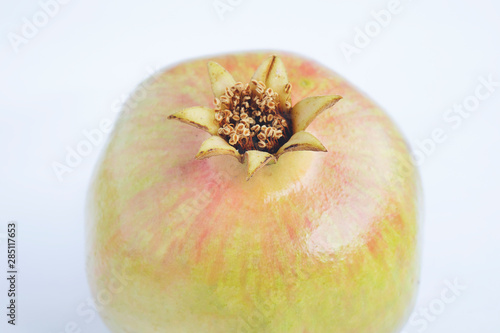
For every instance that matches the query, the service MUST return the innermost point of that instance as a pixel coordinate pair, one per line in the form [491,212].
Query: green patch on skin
[306,83]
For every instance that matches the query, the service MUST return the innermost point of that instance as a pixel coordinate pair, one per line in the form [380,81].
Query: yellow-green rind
[318,242]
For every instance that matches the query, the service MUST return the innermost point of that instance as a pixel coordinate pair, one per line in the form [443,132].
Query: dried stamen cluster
[251,119]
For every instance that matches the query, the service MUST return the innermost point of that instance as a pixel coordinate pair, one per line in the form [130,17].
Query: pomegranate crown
[255,121]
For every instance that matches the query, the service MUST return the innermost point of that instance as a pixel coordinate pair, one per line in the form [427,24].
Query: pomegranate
[253,198]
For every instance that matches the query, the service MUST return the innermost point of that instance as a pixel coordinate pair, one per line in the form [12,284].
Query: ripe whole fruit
[278,239]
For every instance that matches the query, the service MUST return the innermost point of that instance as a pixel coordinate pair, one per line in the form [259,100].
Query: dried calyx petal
[250,117]
[198,116]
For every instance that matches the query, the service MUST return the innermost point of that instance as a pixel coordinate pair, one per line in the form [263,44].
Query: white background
[66,78]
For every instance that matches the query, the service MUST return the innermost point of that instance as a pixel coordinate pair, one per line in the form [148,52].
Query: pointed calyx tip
[256,119]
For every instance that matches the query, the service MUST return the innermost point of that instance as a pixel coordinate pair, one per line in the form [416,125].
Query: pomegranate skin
[319,242]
